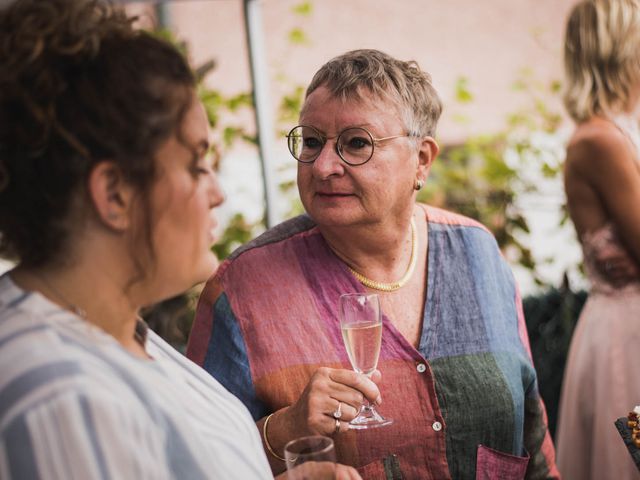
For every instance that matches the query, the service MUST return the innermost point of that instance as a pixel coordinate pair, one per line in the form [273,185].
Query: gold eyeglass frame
[324,138]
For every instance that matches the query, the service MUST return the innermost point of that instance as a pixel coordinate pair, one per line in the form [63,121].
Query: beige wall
[488,41]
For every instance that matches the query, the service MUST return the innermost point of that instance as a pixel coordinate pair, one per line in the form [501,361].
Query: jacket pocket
[494,465]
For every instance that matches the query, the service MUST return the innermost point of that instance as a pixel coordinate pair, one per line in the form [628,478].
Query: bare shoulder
[602,179]
[596,146]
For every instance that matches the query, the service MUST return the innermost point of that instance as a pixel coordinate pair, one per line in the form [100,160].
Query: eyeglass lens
[354,145]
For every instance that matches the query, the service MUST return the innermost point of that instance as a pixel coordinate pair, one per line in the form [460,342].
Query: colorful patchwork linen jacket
[465,404]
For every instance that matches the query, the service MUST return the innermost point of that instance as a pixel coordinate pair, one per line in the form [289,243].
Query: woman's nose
[216,194]
[328,162]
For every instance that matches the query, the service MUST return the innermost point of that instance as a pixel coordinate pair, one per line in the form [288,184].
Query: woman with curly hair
[106,198]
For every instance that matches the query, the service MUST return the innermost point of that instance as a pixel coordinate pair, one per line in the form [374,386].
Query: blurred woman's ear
[111,195]
[427,153]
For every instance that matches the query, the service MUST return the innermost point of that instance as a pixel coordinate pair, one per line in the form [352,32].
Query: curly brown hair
[78,85]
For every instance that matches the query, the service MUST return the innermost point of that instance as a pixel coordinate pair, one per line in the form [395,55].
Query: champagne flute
[361,325]
[310,457]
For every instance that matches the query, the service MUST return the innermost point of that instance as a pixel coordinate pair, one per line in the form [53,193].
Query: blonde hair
[601,57]
[404,83]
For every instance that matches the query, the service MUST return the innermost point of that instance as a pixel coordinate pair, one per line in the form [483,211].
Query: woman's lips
[333,194]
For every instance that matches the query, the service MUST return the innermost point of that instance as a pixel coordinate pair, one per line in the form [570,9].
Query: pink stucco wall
[488,41]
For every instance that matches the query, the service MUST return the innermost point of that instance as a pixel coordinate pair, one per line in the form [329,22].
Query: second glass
[361,325]
[312,457]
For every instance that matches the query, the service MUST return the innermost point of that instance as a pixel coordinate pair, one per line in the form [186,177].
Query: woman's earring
[419,184]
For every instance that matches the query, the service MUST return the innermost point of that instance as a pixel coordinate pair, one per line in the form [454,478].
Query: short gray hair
[404,83]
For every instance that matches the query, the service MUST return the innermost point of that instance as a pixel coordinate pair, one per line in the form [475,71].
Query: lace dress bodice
[596,244]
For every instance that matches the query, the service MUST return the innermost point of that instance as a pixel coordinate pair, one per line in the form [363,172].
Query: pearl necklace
[393,286]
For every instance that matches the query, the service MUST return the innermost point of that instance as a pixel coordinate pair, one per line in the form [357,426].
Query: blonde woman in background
[602,182]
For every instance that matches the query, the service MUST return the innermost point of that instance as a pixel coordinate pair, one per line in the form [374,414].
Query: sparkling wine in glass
[361,325]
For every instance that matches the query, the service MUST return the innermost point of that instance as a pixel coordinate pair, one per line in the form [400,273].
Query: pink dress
[602,381]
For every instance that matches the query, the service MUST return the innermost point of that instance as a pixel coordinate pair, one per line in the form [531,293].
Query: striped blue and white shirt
[74,404]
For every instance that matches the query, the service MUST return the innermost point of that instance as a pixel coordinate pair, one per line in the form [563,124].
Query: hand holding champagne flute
[361,325]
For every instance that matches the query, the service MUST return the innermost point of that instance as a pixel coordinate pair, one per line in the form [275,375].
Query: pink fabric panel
[494,465]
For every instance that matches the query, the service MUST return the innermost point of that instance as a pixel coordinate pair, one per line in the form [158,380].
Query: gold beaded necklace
[393,286]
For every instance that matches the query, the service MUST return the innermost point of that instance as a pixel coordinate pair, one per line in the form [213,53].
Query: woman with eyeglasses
[106,198]
[455,372]
[602,184]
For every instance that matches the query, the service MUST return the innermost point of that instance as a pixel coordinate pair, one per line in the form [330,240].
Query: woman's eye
[199,169]
[312,142]
[358,142]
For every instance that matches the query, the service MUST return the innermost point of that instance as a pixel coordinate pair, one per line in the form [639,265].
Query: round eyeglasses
[354,145]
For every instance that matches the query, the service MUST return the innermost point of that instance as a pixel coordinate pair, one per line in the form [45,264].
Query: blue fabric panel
[453,323]
[227,360]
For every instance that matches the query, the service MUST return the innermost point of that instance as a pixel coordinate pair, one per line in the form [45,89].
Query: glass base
[368,417]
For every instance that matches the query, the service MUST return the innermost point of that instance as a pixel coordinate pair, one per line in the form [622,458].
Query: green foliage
[474,178]
[298,37]
[303,8]
[168,36]
[462,92]
[239,101]
[238,232]
[291,104]
[290,107]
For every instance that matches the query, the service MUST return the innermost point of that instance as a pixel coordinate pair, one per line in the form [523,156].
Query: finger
[319,470]
[344,472]
[349,376]
[348,409]
[346,394]
[376,376]
[324,395]
[357,381]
